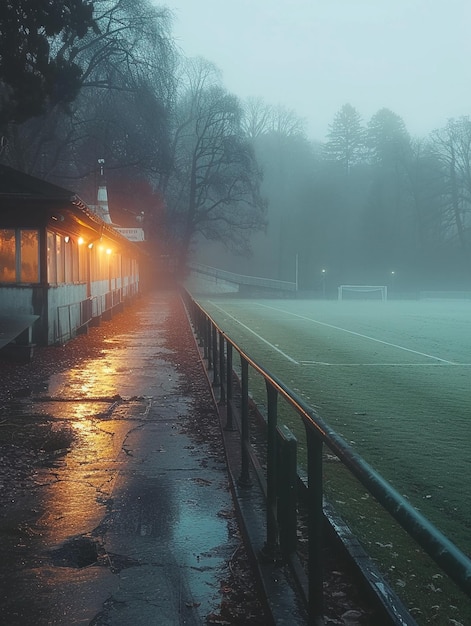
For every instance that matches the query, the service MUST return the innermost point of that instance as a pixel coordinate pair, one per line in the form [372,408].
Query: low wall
[202,284]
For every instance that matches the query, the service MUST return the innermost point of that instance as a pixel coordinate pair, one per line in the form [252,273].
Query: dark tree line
[370,204]
[82,80]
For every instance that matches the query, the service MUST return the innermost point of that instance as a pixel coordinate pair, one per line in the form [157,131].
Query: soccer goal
[363,292]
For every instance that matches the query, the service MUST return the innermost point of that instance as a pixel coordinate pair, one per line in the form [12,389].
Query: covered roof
[17,184]
[27,201]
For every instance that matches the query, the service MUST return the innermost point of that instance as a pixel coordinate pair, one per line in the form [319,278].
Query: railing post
[207,341]
[272,416]
[287,491]
[201,327]
[244,480]
[215,359]
[229,387]
[222,393]
[315,526]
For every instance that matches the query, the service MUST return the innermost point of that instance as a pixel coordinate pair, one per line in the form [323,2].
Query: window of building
[60,260]
[29,255]
[7,255]
[51,258]
[19,255]
[75,262]
[83,261]
[71,258]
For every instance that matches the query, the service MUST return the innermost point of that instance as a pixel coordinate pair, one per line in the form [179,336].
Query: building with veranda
[62,266]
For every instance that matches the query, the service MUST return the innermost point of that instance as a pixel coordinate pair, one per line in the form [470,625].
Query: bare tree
[452,146]
[127,85]
[214,189]
[425,182]
[287,123]
[283,151]
[257,118]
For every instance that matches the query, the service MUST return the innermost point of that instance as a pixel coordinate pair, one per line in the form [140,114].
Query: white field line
[352,332]
[385,364]
[256,334]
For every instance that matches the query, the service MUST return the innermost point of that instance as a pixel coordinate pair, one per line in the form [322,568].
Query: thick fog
[332,138]
[373,105]
[313,56]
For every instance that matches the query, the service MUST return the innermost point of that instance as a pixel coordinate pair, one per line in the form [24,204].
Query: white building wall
[16,299]
[64,311]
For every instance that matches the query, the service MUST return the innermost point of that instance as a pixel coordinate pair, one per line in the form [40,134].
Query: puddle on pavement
[78,552]
[100,404]
[78,421]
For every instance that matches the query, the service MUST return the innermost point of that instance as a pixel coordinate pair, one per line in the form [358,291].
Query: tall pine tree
[346,138]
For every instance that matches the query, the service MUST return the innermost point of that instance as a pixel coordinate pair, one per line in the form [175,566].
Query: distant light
[323,271]
[392,273]
[108,251]
[90,245]
[80,241]
[67,239]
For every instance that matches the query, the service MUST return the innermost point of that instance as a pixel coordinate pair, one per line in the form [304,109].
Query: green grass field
[393,378]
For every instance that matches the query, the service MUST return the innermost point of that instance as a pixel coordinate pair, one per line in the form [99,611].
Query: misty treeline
[369,205]
[104,79]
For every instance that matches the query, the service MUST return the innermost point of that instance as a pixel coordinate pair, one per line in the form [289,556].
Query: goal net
[363,292]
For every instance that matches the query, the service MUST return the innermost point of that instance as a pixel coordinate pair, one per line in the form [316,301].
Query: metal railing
[281,507]
[112,299]
[70,318]
[242,279]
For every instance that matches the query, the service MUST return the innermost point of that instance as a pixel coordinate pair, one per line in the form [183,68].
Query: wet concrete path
[134,524]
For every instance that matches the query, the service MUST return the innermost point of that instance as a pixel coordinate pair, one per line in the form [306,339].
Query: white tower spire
[102,195]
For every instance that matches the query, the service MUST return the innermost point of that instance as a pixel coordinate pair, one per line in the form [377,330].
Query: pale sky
[313,56]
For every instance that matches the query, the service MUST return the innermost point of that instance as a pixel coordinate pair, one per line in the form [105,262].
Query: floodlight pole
[323,283]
